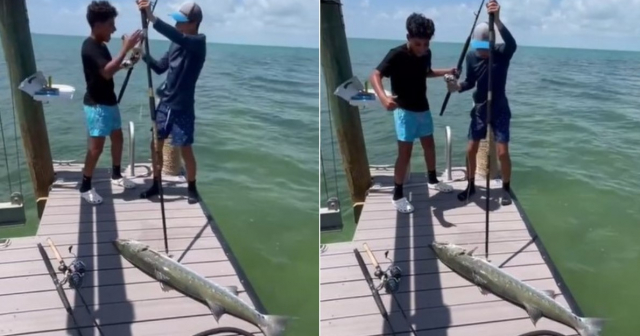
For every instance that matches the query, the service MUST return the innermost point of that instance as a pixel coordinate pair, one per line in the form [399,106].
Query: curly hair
[419,26]
[100,11]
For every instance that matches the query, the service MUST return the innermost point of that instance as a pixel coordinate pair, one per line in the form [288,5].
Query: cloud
[265,22]
[610,24]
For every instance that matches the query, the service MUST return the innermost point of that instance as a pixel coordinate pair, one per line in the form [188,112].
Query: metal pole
[157,154]
[492,41]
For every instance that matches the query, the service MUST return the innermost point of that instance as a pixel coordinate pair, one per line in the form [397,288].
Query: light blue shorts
[102,119]
[412,125]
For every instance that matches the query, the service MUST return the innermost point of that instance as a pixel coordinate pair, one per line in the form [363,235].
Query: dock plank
[116,313]
[431,298]
[420,253]
[124,300]
[30,253]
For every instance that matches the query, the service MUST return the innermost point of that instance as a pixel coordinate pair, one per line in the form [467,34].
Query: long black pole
[156,146]
[492,42]
[461,58]
[374,292]
[126,79]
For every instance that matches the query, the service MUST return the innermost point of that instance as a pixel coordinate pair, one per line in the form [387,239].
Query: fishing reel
[73,273]
[389,278]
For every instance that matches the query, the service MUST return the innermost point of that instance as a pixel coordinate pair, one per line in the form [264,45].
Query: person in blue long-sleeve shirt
[476,76]
[175,113]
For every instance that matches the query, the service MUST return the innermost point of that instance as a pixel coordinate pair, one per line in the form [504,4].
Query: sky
[293,23]
[590,24]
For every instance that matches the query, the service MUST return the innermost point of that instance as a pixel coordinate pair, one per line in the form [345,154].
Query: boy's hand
[130,42]
[454,72]
[389,103]
[493,7]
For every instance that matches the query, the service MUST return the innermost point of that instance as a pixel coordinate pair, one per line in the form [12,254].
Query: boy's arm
[186,41]
[509,47]
[159,67]
[470,80]
[431,73]
[439,72]
[382,70]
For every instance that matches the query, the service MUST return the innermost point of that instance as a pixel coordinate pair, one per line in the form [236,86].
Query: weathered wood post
[171,159]
[336,66]
[21,63]
[482,158]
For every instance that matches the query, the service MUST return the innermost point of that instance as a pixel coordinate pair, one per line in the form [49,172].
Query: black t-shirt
[95,56]
[408,75]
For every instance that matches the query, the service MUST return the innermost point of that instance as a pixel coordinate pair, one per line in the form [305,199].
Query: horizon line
[521,45]
[208,42]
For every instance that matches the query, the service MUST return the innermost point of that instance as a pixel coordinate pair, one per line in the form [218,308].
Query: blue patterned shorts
[102,119]
[177,124]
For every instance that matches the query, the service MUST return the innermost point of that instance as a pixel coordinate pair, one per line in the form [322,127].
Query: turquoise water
[575,151]
[257,151]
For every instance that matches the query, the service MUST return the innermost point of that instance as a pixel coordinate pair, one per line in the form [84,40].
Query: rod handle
[55,250]
[374,261]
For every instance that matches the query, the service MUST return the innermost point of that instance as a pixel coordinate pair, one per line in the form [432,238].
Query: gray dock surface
[436,301]
[123,300]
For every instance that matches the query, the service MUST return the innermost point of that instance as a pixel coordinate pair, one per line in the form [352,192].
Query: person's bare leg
[505,168]
[402,163]
[472,150]
[505,161]
[190,165]
[117,141]
[156,167]
[189,162]
[94,150]
[429,150]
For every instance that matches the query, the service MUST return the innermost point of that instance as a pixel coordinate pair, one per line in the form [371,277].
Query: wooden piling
[21,63]
[482,158]
[336,66]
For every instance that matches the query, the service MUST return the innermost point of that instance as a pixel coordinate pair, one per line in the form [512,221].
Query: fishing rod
[156,146]
[492,42]
[374,291]
[126,79]
[461,59]
[73,274]
[389,280]
[57,285]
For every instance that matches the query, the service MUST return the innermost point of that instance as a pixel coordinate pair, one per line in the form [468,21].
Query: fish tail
[275,325]
[591,326]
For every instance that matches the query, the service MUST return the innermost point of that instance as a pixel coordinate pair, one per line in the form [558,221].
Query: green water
[257,151]
[575,150]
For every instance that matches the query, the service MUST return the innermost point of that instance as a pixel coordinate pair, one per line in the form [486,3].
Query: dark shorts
[500,121]
[177,124]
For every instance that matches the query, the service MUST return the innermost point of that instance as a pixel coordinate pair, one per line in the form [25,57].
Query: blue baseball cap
[477,44]
[480,36]
[188,12]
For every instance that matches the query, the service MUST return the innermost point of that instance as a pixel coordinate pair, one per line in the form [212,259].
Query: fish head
[129,246]
[447,250]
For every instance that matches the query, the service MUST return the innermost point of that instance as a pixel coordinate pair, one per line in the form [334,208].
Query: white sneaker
[441,186]
[124,182]
[403,205]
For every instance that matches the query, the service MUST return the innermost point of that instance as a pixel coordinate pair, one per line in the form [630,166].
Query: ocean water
[257,151]
[575,151]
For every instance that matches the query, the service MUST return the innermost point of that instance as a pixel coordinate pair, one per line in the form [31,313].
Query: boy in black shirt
[100,102]
[408,66]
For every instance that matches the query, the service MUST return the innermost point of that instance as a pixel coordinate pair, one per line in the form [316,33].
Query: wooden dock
[123,300]
[435,301]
